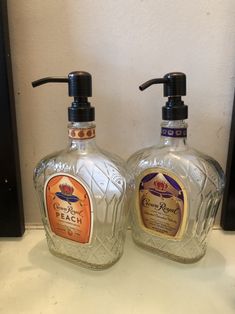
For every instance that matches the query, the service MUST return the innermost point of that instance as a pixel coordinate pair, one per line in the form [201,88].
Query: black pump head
[174,87]
[79,87]
[80,84]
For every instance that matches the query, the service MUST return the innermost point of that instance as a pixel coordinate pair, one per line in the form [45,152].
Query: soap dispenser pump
[175,190]
[81,189]
[174,87]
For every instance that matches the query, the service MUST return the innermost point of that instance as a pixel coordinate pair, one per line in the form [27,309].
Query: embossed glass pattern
[203,180]
[104,177]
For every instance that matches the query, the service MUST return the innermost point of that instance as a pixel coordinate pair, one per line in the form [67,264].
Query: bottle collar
[174,129]
[81,130]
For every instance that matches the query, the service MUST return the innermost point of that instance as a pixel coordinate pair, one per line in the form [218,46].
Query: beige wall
[122,43]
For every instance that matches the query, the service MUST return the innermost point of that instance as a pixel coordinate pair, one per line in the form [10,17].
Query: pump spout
[48,79]
[151,82]
[174,84]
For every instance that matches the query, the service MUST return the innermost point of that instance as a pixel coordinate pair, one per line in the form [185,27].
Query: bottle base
[176,258]
[82,263]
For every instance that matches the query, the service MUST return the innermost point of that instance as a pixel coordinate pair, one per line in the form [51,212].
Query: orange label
[68,207]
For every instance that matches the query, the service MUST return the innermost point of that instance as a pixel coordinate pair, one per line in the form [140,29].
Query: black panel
[228,210]
[11,209]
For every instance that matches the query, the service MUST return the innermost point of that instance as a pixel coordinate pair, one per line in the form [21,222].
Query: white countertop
[34,281]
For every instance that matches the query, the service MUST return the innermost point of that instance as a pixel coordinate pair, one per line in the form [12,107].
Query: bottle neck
[174,134]
[82,135]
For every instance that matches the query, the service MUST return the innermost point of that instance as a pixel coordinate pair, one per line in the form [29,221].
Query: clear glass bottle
[82,189]
[175,190]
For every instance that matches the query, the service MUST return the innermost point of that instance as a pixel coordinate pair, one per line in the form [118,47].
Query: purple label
[173,132]
[162,203]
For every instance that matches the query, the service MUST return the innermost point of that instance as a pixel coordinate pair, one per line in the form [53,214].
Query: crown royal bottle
[175,190]
[81,189]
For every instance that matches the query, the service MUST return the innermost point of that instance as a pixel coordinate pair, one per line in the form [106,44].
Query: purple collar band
[173,132]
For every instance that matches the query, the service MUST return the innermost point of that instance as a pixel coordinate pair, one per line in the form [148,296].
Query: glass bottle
[175,190]
[82,188]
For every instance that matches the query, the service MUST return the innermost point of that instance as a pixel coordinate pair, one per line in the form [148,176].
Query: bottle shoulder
[140,155]
[69,155]
[86,166]
[188,164]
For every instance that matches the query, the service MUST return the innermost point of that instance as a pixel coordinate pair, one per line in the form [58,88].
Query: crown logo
[66,193]
[66,189]
[161,185]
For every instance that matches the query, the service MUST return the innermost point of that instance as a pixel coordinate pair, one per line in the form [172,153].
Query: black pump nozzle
[79,87]
[174,87]
[151,82]
[48,79]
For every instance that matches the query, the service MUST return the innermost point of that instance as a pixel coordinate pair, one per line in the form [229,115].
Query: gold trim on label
[81,133]
[183,219]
